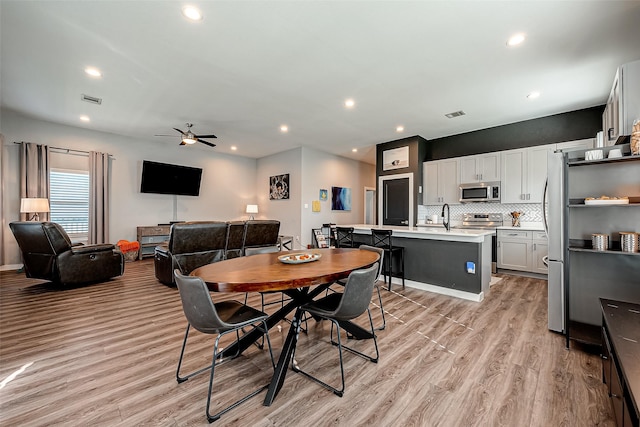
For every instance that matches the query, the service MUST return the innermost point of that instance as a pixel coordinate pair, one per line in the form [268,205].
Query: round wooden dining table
[267,273]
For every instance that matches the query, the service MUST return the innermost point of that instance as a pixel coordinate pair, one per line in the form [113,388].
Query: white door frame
[373,214]
[381,180]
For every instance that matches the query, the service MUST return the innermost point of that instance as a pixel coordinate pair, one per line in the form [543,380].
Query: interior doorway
[369,205]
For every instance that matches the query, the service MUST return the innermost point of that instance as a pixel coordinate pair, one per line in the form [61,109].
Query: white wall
[323,171]
[228,182]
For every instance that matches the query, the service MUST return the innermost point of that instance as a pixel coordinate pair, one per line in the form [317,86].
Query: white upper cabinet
[579,144]
[623,105]
[523,174]
[440,182]
[480,168]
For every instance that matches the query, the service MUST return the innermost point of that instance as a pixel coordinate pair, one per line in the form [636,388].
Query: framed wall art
[324,195]
[395,158]
[279,187]
[340,199]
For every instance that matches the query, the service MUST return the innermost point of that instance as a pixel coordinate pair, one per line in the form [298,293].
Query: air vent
[455,114]
[91,99]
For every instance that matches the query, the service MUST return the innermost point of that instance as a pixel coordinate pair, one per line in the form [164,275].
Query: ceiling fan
[188,137]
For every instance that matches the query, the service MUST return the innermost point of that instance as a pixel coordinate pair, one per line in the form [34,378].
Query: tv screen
[163,178]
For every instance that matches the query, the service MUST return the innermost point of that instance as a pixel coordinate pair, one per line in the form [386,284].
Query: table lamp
[34,205]
[252,209]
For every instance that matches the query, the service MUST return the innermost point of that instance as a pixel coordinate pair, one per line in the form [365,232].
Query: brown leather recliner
[48,254]
[191,245]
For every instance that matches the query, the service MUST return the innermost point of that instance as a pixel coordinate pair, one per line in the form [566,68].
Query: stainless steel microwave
[480,192]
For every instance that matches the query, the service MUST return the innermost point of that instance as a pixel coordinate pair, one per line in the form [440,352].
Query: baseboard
[440,290]
[9,267]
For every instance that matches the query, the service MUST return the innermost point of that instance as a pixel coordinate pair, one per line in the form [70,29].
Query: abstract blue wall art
[340,199]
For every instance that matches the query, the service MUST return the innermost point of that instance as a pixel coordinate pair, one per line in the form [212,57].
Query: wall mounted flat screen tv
[163,178]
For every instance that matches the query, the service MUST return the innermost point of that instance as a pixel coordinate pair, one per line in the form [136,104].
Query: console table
[620,361]
[150,237]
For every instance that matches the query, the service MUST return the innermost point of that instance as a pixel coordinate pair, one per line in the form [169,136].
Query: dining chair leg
[354,351]
[211,418]
[179,378]
[384,322]
[296,367]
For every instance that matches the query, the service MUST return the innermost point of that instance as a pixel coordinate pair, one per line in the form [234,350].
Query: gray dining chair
[380,252]
[220,319]
[340,307]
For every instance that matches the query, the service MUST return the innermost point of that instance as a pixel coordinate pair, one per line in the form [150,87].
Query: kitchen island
[456,262]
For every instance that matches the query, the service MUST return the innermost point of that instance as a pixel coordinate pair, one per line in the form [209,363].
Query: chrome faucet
[447,223]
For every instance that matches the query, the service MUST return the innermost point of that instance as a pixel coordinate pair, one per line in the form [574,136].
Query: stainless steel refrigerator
[553,215]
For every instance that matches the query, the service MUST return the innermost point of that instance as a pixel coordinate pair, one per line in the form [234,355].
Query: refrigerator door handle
[544,204]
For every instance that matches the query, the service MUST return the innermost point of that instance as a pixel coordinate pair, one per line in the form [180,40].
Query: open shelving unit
[609,273]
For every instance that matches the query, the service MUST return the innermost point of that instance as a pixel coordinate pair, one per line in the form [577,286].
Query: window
[69,201]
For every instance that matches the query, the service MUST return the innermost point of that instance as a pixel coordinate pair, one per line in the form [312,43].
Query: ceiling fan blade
[182,143]
[172,136]
[207,143]
[207,136]
[178,130]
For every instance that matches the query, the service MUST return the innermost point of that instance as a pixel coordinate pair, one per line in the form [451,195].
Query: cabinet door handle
[528,196]
[534,246]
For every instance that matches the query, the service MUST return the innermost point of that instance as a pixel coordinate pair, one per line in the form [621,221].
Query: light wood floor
[106,354]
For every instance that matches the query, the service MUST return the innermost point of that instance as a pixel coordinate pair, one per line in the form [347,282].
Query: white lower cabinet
[522,250]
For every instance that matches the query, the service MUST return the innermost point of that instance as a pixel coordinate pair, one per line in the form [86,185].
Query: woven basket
[130,256]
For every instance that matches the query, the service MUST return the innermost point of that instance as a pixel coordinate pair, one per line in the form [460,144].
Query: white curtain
[99,191]
[34,174]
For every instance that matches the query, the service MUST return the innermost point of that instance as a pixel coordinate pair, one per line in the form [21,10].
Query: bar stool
[344,237]
[382,239]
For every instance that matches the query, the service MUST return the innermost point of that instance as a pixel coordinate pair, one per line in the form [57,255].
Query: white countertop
[433,232]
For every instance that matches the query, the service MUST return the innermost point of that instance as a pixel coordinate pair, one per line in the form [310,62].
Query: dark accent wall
[579,124]
[417,152]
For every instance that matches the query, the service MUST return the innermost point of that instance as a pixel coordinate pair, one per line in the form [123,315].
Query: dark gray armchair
[191,245]
[48,254]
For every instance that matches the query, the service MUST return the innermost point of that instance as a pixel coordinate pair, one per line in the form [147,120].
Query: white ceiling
[249,67]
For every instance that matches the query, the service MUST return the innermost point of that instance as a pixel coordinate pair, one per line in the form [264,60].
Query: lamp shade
[34,205]
[252,209]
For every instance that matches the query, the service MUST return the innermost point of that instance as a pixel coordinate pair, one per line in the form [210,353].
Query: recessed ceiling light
[284,128]
[349,103]
[400,128]
[533,95]
[516,39]
[93,72]
[192,13]
[234,148]
[85,118]
[354,150]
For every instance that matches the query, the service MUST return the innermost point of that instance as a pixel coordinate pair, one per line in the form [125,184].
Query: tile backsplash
[532,211]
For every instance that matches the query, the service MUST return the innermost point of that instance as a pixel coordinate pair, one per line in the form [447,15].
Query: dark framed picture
[279,187]
[340,199]
[324,194]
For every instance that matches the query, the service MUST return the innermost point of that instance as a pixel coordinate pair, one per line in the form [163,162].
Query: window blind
[69,201]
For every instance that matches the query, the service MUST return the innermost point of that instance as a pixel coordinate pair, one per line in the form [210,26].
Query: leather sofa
[191,245]
[48,253]
[194,244]
[261,234]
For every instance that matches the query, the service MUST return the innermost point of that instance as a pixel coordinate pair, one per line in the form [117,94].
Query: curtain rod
[69,151]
